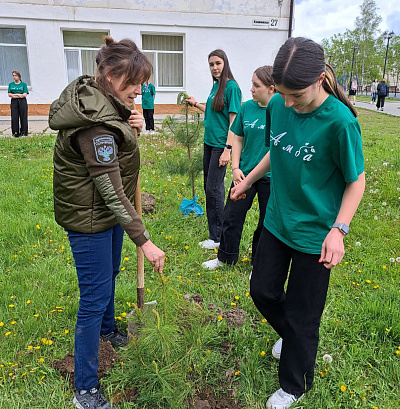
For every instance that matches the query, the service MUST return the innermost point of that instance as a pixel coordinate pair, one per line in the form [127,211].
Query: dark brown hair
[18,73]
[299,63]
[226,74]
[264,74]
[121,59]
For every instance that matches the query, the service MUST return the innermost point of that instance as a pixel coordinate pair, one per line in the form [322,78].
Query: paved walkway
[39,124]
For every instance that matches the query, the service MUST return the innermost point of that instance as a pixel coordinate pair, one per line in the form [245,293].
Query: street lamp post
[354,47]
[387,36]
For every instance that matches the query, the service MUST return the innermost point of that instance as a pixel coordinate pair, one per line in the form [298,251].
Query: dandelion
[219,318]
[263,320]
[126,258]
[398,352]
[36,315]
[397,259]
[186,247]
[41,360]
[1,324]
[38,227]
[233,304]
[28,302]
[262,353]
[247,294]
[7,333]
[236,297]
[13,322]
[327,358]
[343,388]
[11,305]
[368,281]
[384,267]
[358,243]
[237,373]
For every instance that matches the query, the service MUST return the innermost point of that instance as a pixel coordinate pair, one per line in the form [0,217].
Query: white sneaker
[152,132]
[212,264]
[209,244]
[282,400]
[277,349]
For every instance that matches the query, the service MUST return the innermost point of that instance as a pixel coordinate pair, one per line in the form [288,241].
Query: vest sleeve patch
[104,148]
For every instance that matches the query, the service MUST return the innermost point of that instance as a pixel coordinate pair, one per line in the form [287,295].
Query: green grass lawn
[189,347]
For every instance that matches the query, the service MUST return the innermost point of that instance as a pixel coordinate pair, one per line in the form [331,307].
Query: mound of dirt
[107,358]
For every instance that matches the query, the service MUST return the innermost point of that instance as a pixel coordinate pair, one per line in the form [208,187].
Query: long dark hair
[121,59]
[299,63]
[226,74]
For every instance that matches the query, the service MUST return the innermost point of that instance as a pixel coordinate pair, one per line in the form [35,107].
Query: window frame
[157,52]
[79,49]
[25,46]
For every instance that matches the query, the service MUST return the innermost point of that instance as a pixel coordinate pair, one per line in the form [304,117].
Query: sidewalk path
[39,124]
[391,107]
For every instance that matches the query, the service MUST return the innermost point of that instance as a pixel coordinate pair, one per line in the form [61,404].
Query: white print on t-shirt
[277,138]
[307,150]
[247,124]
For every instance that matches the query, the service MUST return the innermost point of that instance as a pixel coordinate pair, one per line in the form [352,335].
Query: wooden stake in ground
[139,251]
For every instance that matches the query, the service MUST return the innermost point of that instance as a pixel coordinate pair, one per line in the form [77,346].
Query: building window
[165,52]
[80,48]
[13,55]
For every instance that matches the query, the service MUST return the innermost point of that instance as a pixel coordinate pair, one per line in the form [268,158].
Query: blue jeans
[374,94]
[295,314]
[97,259]
[214,188]
[235,216]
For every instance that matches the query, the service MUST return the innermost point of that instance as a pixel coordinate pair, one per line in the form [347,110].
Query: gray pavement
[39,124]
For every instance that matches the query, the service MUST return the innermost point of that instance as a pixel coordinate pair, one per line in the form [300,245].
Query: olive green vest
[78,205]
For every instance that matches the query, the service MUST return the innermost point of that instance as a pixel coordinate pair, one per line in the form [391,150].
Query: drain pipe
[291,17]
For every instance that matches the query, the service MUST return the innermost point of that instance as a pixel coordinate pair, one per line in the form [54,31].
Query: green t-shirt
[148,93]
[313,156]
[20,88]
[250,125]
[217,123]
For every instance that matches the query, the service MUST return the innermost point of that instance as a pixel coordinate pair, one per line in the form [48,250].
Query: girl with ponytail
[317,182]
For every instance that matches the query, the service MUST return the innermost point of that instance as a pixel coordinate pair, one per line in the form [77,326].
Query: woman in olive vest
[96,167]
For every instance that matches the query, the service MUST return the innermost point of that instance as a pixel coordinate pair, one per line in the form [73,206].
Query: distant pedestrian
[353,89]
[374,90]
[18,92]
[148,96]
[383,92]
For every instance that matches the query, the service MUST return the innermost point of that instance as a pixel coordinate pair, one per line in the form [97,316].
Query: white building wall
[206,25]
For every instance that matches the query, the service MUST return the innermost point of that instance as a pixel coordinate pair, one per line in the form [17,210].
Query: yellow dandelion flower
[368,281]
[236,297]
[264,320]
[28,302]
[41,360]
[343,388]
[384,267]
[29,347]
[7,333]
[233,304]
[37,347]
[124,314]
[11,305]
[262,353]
[245,259]
[247,294]
[38,227]
[13,322]
[36,315]
[321,374]
[186,247]
[219,318]
[237,373]
[148,290]
[397,352]
[126,258]
[123,269]
[1,324]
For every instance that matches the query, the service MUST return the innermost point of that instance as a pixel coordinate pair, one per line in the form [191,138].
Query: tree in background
[370,56]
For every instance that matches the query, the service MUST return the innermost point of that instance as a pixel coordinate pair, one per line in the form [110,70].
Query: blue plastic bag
[188,207]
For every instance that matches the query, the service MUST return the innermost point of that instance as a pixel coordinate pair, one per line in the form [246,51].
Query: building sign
[266,22]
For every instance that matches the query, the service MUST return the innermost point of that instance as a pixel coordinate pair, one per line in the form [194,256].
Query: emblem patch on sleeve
[104,147]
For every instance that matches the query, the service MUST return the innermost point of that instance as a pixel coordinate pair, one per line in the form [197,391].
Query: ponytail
[331,86]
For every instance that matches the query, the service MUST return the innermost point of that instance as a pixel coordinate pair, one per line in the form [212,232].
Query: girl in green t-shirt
[248,149]
[18,92]
[221,108]
[317,182]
